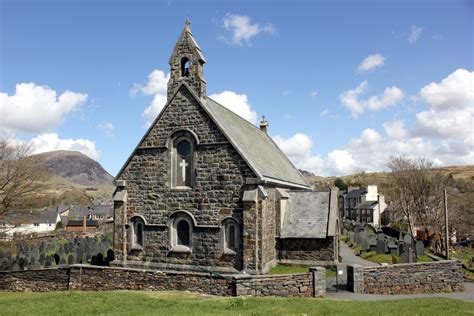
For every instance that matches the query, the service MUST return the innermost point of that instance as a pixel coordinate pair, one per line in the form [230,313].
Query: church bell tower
[186,64]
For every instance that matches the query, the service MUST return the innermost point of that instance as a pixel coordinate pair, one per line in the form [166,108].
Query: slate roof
[306,215]
[356,193]
[367,205]
[255,146]
[80,223]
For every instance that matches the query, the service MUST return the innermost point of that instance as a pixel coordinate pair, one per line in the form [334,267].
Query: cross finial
[187,23]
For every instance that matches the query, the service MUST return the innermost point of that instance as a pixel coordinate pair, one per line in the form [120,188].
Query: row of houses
[46,220]
[363,205]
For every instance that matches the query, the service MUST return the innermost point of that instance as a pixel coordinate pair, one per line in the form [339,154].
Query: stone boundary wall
[95,278]
[406,278]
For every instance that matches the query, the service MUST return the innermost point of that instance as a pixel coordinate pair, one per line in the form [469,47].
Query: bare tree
[417,192]
[20,173]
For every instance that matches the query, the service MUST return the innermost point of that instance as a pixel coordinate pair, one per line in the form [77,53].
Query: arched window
[231,237]
[182,162]
[137,233]
[185,67]
[182,231]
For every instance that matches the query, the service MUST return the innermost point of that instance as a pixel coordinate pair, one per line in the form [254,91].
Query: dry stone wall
[90,278]
[407,278]
[309,250]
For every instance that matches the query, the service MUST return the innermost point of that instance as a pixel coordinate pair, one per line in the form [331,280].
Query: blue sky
[343,84]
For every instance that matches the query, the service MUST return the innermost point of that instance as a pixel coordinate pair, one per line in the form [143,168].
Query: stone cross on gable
[183,164]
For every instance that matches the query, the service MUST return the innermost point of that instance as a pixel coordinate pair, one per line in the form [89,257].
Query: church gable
[183,112]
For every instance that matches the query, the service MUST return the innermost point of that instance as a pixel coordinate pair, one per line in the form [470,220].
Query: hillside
[463,176]
[74,179]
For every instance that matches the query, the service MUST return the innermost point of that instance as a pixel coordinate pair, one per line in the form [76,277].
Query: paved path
[348,257]
[467,295]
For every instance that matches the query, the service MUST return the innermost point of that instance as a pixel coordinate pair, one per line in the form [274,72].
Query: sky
[344,85]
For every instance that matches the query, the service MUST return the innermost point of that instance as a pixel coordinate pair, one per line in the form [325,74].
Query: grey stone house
[206,189]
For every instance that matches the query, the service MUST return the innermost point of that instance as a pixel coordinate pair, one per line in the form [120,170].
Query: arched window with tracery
[182,161]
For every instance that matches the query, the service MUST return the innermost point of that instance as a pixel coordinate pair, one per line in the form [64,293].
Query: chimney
[84,223]
[264,124]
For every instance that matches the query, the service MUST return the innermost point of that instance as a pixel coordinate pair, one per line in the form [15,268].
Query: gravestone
[420,248]
[373,243]
[351,236]
[381,247]
[393,249]
[408,256]
[364,246]
[70,259]
[358,238]
[408,239]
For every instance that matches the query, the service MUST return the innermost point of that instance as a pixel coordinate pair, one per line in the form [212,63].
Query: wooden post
[446,224]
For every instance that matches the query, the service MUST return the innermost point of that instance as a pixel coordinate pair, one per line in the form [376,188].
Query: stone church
[204,189]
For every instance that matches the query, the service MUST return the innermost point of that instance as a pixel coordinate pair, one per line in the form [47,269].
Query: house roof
[356,193]
[306,215]
[255,146]
[79,212]
[80,223]
[367,205]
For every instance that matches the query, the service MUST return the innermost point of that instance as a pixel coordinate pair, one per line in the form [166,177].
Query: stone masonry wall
[268,229]
[219,183]
[310,250]
[91,278]
[423,277]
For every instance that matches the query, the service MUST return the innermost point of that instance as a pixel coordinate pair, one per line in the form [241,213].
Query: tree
[341,184]
[418,192]
[20,173]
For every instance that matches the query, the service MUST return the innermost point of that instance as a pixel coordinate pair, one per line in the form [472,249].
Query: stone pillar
[250,237]
[319,281]
[120,221]
[355,278]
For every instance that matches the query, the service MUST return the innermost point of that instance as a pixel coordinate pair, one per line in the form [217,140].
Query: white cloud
[350,99]
[298,150]
[51,141]
[395,129]
[454,92]
[415,34]
[242,29]
[107,127]
[237,103]
[371,62]
[313,93]
[34,109]
[157,86]
[324,113]
[444,133]
[450,113]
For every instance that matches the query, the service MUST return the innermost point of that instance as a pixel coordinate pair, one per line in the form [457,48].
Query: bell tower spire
[186,63]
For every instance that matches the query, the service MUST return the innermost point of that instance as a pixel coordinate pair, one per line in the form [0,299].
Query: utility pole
[446,246]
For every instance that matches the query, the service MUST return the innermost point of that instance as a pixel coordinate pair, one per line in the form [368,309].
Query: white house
[43,221]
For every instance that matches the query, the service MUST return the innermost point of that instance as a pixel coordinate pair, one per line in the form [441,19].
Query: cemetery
[58,250]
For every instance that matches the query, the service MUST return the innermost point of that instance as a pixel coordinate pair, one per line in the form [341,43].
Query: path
[467,295]
[348,257]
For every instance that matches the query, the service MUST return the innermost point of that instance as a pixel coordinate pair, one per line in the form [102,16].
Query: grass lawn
[288,269]
[184,303]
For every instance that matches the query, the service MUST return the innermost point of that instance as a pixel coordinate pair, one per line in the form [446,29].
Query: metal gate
[336,278]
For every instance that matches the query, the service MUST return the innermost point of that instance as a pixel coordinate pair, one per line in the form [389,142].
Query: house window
[36,224]
[182,162]
[181,234]
[137,234]
[231,237]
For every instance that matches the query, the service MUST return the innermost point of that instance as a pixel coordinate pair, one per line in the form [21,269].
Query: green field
[185,303]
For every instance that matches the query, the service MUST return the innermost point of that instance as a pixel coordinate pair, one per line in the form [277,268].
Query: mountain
[75,179]
[75,167]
